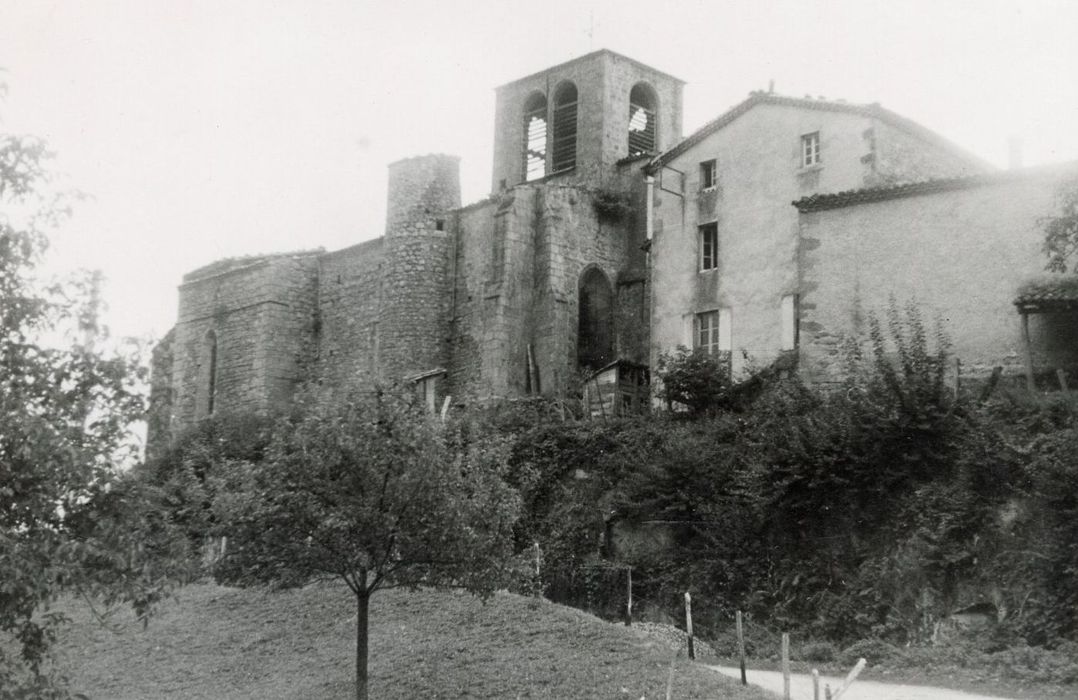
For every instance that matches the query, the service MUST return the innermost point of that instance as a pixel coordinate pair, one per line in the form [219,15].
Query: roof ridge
[870,109]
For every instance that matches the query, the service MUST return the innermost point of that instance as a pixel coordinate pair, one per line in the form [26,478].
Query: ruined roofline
[848,198]
[242,262]
[424,156]
[873,111]
[587,57]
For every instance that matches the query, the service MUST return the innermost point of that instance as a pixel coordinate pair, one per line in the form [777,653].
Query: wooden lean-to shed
[617,389]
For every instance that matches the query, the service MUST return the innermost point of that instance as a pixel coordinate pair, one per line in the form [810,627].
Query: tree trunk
[362,601]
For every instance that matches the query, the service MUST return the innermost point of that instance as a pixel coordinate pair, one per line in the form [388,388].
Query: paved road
[801,687]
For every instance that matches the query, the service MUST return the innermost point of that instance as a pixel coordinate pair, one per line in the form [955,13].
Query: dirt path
[801,687]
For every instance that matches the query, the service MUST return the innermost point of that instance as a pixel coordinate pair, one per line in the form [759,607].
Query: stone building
[513,295]
[610,238]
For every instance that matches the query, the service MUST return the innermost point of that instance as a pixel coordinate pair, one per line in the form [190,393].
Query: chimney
[1014,152]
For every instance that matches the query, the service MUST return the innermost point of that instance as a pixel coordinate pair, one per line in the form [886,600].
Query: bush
[875,651]
[694,379]
[819,652]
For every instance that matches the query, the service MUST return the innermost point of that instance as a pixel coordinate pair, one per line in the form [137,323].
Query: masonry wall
[262,316]
[759,174]
[518,263]
[960,255]
[350,293]
[603,81]
[895,156]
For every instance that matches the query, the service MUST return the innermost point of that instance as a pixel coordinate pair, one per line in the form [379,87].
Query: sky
[204,129]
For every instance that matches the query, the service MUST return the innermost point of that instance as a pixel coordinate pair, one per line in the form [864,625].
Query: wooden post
[445,407]
[741,647]
[1028,352]
[537,553]
[785,666]
[850,678]
[1062,377]
[688,625]
[957,377]
[815,684]
[629,597]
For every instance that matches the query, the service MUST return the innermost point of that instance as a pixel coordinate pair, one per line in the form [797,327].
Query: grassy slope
[225,643]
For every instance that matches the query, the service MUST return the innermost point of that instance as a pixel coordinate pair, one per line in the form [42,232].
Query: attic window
[810,149]
[564,142]
[708,174]
[641,120]
[535,137]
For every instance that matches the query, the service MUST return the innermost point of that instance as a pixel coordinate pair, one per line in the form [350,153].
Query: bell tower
[573,123]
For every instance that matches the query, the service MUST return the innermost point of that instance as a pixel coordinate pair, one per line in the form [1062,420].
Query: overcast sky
[206,129]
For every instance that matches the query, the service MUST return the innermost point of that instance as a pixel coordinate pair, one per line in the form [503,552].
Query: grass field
[224,643]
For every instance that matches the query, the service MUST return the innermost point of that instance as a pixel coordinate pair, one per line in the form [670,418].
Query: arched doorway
[595,320]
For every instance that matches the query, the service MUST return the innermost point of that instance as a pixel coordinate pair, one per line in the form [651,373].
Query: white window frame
[704,232]
[810,149]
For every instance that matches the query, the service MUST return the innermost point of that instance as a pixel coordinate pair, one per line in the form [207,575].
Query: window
[709,174]
[810,149]
[535,137]
[706,336]
[641,120]
[207,392]
[709,246]
[790,330]
[711,333]
[564,142]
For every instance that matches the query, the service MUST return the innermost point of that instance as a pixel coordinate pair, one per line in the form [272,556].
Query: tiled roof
[873,110]
[837,200]
[1049,293]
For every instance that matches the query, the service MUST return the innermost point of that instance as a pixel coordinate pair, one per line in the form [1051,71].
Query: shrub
[692,378]
[819,652]
[875,651]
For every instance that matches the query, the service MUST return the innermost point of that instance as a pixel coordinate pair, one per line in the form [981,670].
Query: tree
[69,521]
[367,488]
[1061,230]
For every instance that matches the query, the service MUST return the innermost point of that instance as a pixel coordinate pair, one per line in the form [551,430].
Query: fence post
[815,684]
[629,597]
[785,666]
[537,552]
[688,624]
[741,647]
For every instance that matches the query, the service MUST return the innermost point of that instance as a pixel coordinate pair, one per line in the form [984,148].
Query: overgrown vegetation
[870,512]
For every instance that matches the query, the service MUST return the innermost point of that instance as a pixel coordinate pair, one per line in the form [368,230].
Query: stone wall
[349,299]
[603,80]
[260,315]
[959,254]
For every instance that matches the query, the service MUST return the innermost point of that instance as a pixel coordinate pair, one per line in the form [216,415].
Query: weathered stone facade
[609,237]
[473,302]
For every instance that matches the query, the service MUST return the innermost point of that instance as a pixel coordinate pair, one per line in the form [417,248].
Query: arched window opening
[641,120]
[564,146]
[595,324]
[535,137]
[209,374]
